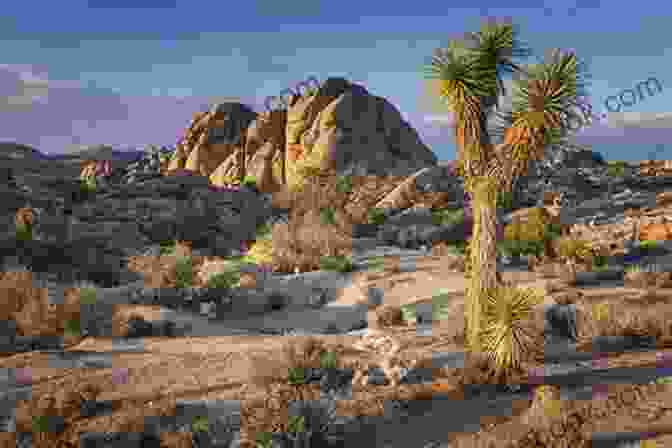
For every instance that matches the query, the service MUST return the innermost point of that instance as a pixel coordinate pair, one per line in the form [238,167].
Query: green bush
[616,168]
[296,376]
[87,295]
[72,327]
[166,247]
[40,423]
[327,216]
[339,263]
[296,424]
[600,261]
[24,233]
[505,200]
[264,440]
[200,424]
[343,184]
[264,230]
[224,280]
[184,274]
[445,216]
[328,360]
[376,216]
[89,184]
[648,244]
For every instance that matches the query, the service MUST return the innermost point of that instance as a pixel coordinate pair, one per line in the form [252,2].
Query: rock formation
[341,127]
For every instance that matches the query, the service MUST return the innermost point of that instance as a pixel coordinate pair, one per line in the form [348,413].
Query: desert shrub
[303,241]
[574,249]
[344,184]
[648,244]
[516,247]
[224,280]
[376,216]
[200,424]
[184,274]
[440,304]
[166,247]
[534,228]
[87,295]
[443,216]
[24,232]
[616,168]
[72,328]
[338,263]
[505,200]
[327,216]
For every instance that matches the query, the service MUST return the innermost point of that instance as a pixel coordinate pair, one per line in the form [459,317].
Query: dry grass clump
[605,318]
[27,305]
[50,415]
[284,383]
[304,240]
[389,316]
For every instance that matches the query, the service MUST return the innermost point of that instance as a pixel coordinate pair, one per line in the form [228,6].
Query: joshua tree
[545,97]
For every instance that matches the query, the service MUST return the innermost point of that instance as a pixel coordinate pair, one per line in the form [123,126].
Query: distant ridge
[15,150]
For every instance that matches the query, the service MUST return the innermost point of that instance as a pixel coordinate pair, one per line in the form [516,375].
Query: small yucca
[504,338]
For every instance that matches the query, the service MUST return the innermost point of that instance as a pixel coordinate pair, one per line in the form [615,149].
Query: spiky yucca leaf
[504,338]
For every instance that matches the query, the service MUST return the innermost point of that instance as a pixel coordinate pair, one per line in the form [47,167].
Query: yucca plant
[466,76]
[184,274]
[504,336]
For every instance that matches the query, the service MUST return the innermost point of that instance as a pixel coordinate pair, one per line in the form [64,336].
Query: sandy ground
[235,367]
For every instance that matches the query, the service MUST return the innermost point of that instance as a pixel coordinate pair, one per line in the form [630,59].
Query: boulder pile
[340,126]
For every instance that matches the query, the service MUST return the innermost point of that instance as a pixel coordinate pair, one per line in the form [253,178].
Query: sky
[129,73]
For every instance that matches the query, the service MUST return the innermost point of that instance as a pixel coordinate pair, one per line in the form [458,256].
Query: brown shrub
[28,307]
[304,240]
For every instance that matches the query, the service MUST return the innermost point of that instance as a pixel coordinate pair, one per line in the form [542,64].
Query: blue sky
[131,72]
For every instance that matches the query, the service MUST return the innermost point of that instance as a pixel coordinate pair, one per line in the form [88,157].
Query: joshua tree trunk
[241,163]
[483,275]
